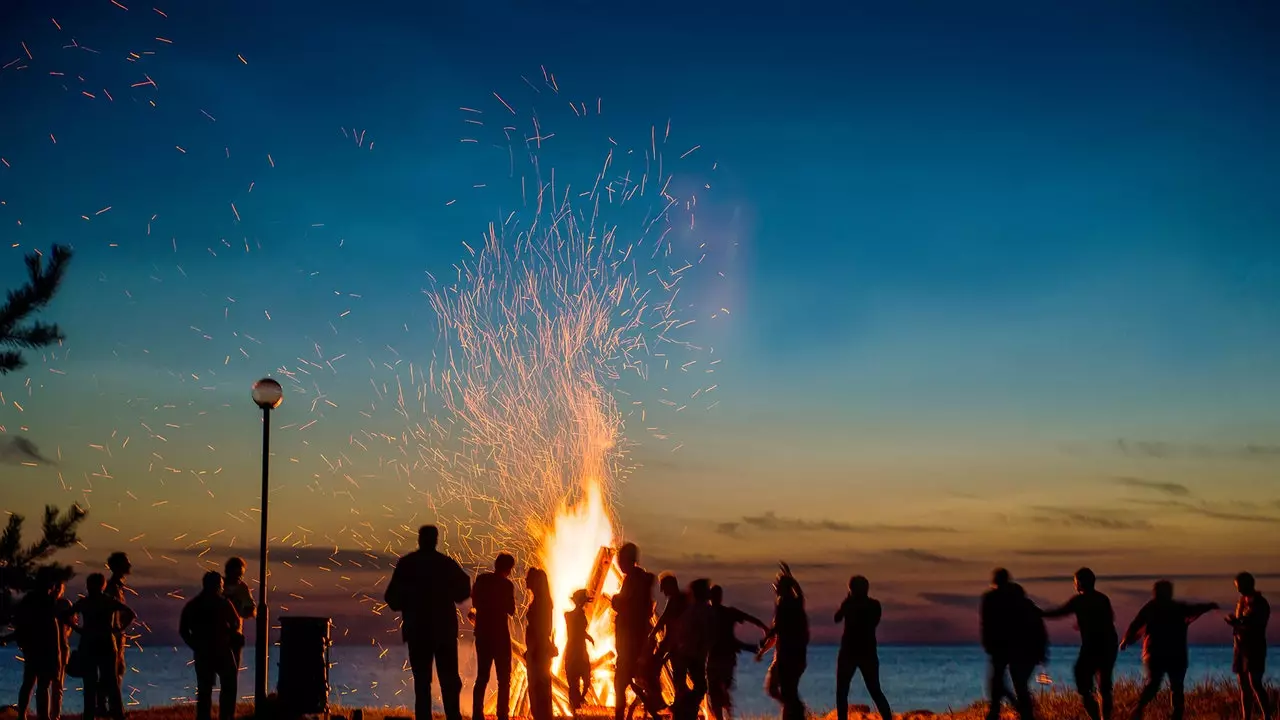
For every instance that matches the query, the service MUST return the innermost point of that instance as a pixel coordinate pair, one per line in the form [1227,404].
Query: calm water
[914,677]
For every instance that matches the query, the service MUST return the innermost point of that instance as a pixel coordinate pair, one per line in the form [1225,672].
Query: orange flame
[569,555]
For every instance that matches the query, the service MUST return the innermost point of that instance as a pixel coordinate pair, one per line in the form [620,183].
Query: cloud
[950,599]
[18,450]
[1168,488]
[1169,450]
[924,556]
[1069,552]
[771,522]
[1098,519]
[1235,512]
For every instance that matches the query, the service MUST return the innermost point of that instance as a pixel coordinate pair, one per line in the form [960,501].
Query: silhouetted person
[1164,622]
[1097,625]
[577,661]
[1249,652]
[789,637]
[677,601]
[1014,638]
[235,589]
[722,658]
[38,625]
[103,622]
[209,626]
[540,647]
[425,588]
[858,652]
[660,639]
[633,619]
[690,646]
[493,600]
[120,567]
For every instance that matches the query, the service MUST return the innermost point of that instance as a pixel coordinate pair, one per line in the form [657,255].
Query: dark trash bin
[303,687]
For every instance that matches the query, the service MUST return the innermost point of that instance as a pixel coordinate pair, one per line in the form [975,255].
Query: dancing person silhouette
[789,638]
[1164,622]
[858,652]
[1096,662]
[633,617]
[1015,640]
[722,657]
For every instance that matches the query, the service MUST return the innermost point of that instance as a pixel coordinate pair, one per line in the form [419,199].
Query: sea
[914,677]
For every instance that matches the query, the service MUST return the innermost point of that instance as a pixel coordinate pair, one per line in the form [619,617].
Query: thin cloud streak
[771,522]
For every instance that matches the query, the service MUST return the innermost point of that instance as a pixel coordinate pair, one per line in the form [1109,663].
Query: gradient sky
[1004,281]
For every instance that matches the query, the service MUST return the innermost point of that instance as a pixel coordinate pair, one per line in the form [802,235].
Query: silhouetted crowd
[692,641]
[45,622]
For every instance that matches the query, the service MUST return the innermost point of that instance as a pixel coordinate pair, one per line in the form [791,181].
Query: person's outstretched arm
[1063,610]
[1193,611]
[748,617]
[1136,627]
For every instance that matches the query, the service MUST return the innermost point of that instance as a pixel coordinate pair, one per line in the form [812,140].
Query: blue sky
[976,245]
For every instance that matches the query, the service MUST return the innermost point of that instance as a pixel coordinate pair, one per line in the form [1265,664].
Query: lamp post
[268,395]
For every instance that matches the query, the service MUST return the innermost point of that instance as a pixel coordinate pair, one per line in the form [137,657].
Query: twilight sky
[1003,281]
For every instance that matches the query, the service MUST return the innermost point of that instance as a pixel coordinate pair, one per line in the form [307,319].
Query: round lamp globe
[268,394]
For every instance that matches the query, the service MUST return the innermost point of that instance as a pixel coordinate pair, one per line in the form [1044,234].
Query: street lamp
[268,395]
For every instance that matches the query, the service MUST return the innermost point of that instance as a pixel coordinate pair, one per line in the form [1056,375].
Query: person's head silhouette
[668,584]
[580,598]
[1086,581]
[700,589]
[628,556]
[95,584]
[717,595]
[504,564]
[1162,590]
[428,536]
[235,569]
[999,577]
[859,586]
[1245,583]
[118,564]
[535,579]
[212,582]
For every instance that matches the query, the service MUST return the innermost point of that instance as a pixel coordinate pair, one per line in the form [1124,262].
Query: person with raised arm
[1163,624]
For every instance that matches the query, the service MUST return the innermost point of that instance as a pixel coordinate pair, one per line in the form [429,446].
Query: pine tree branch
[11,361]
[11,541]
[43,280]
[36,335]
